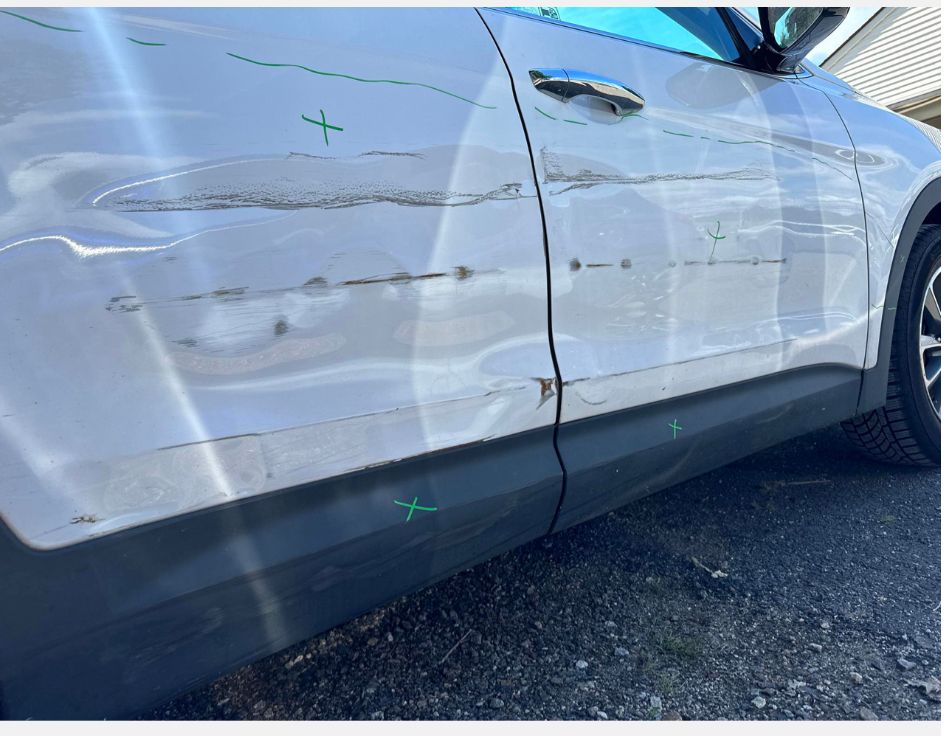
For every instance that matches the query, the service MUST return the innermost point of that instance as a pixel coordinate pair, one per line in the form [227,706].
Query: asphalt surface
[802,582]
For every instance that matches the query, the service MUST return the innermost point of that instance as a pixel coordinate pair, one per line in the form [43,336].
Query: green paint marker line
[565,120]
[43,25]
[413,506]
[774,145]
[144,43]
[716,237]
[361,79]
[826,163]
[683,135]
[325,126]
[323,122]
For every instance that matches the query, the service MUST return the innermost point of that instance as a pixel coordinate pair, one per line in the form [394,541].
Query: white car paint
[209,297]
[897,158]
[647,304]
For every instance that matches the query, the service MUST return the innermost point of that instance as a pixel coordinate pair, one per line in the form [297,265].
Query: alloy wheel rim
[929,340]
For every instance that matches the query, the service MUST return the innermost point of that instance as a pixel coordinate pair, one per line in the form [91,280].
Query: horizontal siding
[894,57]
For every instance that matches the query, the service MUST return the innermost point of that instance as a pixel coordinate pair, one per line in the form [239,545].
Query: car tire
[906,430]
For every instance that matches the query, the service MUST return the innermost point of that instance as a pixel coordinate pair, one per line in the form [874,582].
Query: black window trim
[730,25]
[742,63]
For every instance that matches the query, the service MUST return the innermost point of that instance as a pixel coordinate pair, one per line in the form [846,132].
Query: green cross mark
[325,126]
[716,236]
[675,428]
[414,506]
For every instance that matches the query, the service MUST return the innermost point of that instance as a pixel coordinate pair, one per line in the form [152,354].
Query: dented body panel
[303,310]
[208,296]
[717,236]
[896,158]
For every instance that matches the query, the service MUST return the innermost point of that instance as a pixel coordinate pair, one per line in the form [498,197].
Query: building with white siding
[894,58]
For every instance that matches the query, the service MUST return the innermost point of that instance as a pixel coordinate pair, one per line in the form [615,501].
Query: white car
[305,309]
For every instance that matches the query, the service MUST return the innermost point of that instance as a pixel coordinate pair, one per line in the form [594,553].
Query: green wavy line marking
[144,43]
[682,135]
[544,113]
[362,79]
[41,24]
[574,122]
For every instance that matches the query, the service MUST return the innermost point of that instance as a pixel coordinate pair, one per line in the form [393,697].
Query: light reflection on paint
[84,250]
[164,177]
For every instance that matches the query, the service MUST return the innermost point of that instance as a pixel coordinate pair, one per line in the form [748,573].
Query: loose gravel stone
[866,714]
[759,701]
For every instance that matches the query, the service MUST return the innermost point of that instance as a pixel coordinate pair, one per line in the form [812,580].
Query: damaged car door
[706,243]
[275,326]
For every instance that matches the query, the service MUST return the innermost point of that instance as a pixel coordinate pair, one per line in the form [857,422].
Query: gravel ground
[803,582]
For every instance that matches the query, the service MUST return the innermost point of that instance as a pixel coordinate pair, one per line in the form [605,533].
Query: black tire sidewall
[925,260]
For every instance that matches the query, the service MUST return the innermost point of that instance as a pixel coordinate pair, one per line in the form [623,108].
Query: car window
[692,30]
[746,22]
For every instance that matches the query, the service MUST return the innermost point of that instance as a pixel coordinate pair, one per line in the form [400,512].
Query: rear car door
[265,249]
[713,237]
[274,334]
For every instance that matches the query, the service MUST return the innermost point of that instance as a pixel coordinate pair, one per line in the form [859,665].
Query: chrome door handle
[564,84]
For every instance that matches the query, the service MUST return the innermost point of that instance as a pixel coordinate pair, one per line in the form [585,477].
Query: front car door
[713,237]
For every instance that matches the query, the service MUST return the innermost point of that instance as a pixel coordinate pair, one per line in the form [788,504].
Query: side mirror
[791,33]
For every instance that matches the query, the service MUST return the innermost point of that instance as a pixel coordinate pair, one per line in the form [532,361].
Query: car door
[275,339]
[256,250]
[705,230]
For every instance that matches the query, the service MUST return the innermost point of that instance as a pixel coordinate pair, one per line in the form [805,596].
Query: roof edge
[847,41]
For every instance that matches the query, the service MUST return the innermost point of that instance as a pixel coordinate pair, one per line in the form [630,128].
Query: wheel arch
[924,211]
[933,217]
